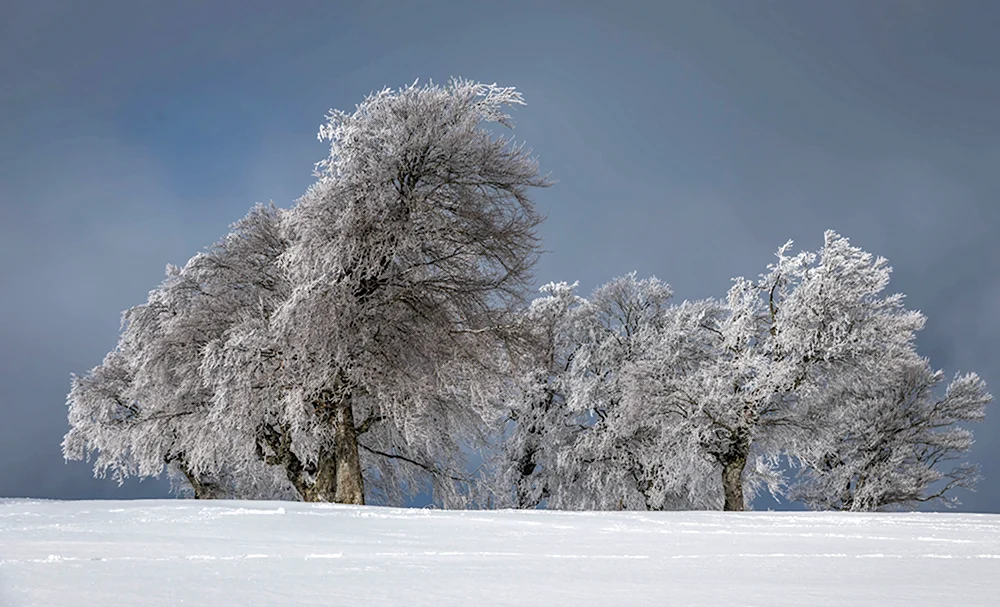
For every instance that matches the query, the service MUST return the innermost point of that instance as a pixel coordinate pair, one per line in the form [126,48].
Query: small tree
[536,422]
[894,442]
[812,317]
[620,458]
[571,439]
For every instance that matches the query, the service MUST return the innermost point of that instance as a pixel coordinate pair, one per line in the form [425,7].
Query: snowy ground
[269,553]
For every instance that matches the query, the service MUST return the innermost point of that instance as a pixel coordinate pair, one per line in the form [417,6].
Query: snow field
[180,552]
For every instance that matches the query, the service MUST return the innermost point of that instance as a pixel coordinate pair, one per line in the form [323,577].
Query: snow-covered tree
[536,422]
[360,343]
[340,341]
[406,258]
[571,440]
[620,460]
[764,350]
[895,441]
[147,407]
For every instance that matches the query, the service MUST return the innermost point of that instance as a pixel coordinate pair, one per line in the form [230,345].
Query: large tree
[352,338]
[406,259]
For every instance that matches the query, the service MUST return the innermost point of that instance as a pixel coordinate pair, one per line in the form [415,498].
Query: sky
[689,140]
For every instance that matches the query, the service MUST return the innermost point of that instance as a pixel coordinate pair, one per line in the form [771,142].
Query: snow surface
[170,552]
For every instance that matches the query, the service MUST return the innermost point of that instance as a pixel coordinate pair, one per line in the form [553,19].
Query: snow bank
[174,552]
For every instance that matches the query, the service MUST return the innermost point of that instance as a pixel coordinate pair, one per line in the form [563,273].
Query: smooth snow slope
[174,552]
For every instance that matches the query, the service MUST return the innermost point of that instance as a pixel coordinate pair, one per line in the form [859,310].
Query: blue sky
[689,139]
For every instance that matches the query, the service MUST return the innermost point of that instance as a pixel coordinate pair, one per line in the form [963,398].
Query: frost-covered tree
[147,406]
[405,260]
[351,340]
[634,403]
[536,422]
[770,345]
[571,440]
[895,442]
[621,460]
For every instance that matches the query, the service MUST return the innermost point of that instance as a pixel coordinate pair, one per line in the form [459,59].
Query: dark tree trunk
[526,466]
[732,482]
[337,477]
[279,440]
[349,486]
[734,461]
[323,487]
[203,489]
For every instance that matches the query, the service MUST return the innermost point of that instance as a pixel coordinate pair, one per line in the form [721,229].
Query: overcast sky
[690,140]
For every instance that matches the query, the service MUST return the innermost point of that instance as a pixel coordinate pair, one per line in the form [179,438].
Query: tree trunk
[525,493]
[349,486]
[338,476]
[324,481]
[732,481]
[279,440]
[203,490]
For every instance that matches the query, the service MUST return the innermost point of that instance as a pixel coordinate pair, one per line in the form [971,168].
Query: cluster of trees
[371,341]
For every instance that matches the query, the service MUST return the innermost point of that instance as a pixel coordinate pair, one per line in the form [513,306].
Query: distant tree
[536,422]
[571,440]
[621,459]
[764,351]
[634,403]
[894,442]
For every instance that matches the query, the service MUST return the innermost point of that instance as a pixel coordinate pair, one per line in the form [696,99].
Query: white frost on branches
[893,441]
